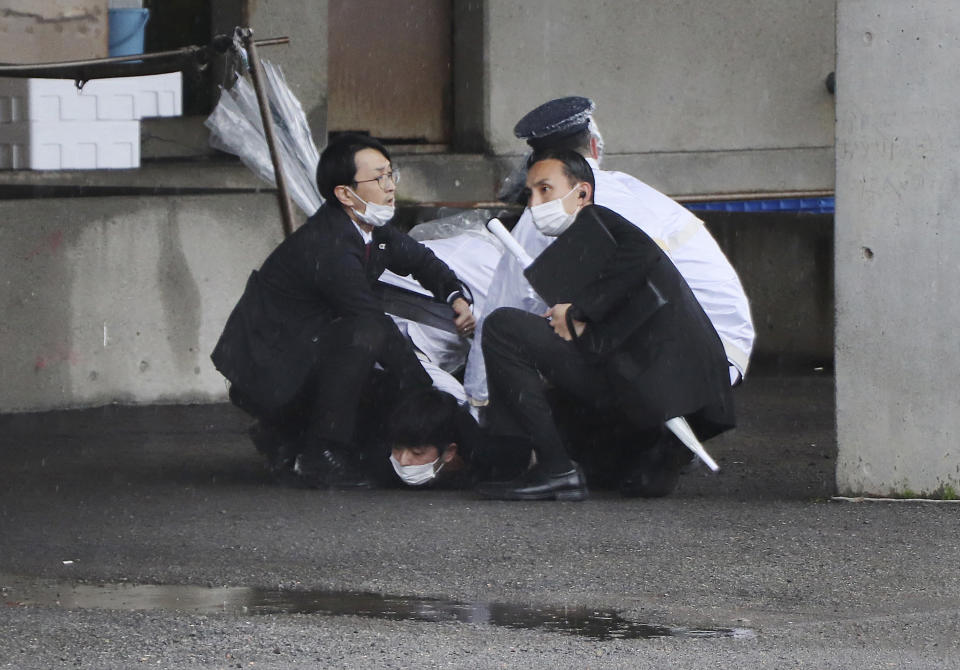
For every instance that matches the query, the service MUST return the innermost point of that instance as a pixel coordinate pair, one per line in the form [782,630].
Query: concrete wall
[897,245]
[122,299]
[699,96]
[44,31]
[304,60]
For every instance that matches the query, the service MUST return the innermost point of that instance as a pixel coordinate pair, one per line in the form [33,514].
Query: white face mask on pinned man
[417,475]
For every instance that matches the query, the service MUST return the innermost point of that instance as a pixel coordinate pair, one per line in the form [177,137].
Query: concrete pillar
[898,247]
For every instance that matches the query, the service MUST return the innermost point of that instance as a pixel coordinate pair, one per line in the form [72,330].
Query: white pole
[501,233]
[679,427]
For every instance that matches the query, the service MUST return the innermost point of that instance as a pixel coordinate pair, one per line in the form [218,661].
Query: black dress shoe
[656,471]
[279,451]
[324,466]
[535,484]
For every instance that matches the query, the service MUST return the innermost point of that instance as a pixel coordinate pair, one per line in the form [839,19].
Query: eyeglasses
[392,176]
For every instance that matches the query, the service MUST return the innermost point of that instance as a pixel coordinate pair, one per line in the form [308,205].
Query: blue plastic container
[126,28]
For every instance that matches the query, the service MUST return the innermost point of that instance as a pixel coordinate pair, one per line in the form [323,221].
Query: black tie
[366,253]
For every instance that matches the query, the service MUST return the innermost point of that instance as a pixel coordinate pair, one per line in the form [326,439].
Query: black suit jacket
[320,273]
[650,334]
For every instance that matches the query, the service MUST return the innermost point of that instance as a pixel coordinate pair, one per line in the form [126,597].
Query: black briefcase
[565,269]
[576,258]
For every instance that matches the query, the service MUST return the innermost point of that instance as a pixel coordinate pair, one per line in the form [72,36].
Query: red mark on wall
[50,244]
[60,355]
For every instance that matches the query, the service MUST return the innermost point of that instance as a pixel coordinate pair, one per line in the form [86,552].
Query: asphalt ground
[176,495]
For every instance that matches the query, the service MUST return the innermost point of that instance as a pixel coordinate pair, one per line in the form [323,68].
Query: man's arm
[340,279]
[411,257]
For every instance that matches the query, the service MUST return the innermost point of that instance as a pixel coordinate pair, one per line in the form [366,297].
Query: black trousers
[522,355]
[341,376]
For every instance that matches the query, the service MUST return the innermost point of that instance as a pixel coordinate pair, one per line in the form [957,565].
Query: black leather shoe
[535,484]
[279,452]
[326,467]
[656,472]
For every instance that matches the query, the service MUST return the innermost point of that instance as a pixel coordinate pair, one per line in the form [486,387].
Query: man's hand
[464,320]
[557,315]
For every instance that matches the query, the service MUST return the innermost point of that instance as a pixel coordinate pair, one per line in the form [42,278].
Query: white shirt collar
[367,237]
[593,162]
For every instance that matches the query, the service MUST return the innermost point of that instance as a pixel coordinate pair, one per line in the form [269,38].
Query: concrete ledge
[183,137]
[471,178]
[226,174]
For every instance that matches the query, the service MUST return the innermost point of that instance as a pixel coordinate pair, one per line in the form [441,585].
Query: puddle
[595,624]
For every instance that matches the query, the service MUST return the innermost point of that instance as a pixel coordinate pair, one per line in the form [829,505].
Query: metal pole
[157,62]
[259,85]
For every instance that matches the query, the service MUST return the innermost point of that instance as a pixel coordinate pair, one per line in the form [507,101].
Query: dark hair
[338,165]
[575,166]
[427,417]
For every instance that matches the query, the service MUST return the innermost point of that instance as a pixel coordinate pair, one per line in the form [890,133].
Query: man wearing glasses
[299,348]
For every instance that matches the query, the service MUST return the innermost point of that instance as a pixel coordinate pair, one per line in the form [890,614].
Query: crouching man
[632,338]
[300,346]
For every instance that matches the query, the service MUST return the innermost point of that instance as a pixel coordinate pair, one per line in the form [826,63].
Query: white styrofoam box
[115,99]
[74,145]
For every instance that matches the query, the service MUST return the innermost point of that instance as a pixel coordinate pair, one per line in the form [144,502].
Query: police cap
[555,119]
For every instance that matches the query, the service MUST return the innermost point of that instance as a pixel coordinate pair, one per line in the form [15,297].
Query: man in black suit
[630,339]
[300,346]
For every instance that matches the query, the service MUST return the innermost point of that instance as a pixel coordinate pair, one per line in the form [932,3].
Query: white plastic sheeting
[236,127]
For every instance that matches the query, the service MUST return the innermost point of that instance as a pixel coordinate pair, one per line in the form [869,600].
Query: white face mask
[551,218]
[374,215]
[416,475]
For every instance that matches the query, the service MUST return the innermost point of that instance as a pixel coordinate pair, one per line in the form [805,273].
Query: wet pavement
[152,536]
[598,625]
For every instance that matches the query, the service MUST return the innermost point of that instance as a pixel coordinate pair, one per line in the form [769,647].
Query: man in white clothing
[567,123]
[473,255]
